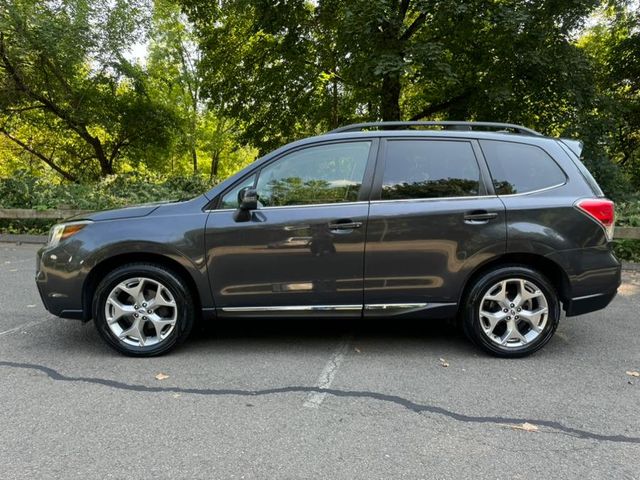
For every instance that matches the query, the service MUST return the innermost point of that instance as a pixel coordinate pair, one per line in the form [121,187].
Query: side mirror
[247,201]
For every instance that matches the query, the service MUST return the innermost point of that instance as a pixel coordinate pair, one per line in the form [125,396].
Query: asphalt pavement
[301,399]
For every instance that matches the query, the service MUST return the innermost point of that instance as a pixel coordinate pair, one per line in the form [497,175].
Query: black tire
[471,321]
[185,313]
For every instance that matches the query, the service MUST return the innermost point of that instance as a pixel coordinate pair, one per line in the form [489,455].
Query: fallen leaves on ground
[161,376]
[357,350]
[633,373]
[526,426]
[444,363]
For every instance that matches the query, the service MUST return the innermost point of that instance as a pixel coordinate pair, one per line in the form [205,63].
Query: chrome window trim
[475,197]
[279,207]
[533,191]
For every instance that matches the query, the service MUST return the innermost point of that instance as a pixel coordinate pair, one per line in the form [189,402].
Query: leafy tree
[297,67]
[611,126]
[68,96]
[175,81]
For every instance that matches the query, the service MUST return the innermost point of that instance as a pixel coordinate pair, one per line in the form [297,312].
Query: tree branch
[411,29]
[42,157]
[438,107]
[23,109]
[73,124]
[404,7]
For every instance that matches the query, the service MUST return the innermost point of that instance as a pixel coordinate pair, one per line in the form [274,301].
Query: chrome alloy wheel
[513,312]
[141,312]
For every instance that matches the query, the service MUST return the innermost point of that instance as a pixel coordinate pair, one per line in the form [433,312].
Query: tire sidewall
[471,321]
[172,282]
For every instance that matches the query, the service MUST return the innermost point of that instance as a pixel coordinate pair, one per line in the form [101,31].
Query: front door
[302,251]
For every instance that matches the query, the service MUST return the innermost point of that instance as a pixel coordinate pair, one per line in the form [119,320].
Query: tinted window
[520,168]
[429,169]
[322,174]
[230,199]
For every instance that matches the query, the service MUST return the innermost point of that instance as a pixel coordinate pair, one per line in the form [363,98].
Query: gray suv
[493,224]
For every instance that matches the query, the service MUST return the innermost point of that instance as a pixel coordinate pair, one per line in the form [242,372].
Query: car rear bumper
[593,274]
[589,303]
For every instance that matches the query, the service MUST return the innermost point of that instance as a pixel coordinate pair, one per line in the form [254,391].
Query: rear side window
[520,168]
[429,169]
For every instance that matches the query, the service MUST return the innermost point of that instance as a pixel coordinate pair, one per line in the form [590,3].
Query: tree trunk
[194,157]
[215,163]
[334,104]
[390,97]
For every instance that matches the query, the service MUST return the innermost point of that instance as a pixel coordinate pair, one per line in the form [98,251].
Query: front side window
[320,174]
[429,169]
[520,168]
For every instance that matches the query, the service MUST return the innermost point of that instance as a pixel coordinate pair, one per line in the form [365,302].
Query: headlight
[64,230]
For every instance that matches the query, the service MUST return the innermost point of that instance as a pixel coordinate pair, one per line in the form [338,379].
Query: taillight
[602,210]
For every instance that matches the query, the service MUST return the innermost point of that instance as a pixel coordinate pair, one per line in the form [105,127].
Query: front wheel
[511,311]
[142,309]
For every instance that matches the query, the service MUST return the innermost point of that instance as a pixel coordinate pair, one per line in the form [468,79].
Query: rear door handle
[479,216]
[344,225]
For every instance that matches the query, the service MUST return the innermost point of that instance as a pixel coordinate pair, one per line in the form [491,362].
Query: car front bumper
[59,279]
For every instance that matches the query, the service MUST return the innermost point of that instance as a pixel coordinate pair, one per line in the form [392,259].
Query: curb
[19,239]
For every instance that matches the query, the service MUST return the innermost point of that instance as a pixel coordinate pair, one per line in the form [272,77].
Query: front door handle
[479,216]
[344,225]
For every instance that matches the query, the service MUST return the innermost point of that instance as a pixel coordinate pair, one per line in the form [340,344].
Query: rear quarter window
[520,168]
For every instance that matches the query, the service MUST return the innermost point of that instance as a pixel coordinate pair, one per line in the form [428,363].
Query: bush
[26,191]
[22,190]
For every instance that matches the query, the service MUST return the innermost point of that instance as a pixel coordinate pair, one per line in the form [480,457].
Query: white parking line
[25,325]
[315,399]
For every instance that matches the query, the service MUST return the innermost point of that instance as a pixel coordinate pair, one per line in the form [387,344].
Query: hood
[127,212]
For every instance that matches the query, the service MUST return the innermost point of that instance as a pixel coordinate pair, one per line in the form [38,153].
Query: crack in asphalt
[383,397]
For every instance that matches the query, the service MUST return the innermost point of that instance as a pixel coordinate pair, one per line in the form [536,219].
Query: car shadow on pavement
[313,331]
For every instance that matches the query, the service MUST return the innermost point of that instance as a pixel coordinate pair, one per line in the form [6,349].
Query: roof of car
[446,125]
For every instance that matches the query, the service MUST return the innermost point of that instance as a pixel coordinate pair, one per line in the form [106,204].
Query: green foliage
[296,68]
[610,126]
[67,94]
[72,99]
[628,213]
[627,250]
[26,191]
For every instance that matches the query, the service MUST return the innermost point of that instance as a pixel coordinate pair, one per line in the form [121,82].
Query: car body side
[541,229]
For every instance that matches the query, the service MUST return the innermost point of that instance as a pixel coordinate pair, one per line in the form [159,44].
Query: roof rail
[449,125]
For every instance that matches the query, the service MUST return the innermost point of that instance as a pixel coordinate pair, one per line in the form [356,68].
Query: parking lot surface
[301,399]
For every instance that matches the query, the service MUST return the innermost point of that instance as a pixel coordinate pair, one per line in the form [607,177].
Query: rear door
[433,219]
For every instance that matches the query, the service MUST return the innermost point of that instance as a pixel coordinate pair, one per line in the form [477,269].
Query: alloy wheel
[141,312]
[513,312]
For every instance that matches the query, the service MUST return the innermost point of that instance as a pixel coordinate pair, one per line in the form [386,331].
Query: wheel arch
[550,269]
[106,265]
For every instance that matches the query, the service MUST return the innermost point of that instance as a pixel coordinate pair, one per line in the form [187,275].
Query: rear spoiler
[574,145]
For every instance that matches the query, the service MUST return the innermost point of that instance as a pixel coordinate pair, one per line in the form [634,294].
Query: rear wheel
[511,311]
[143,309]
